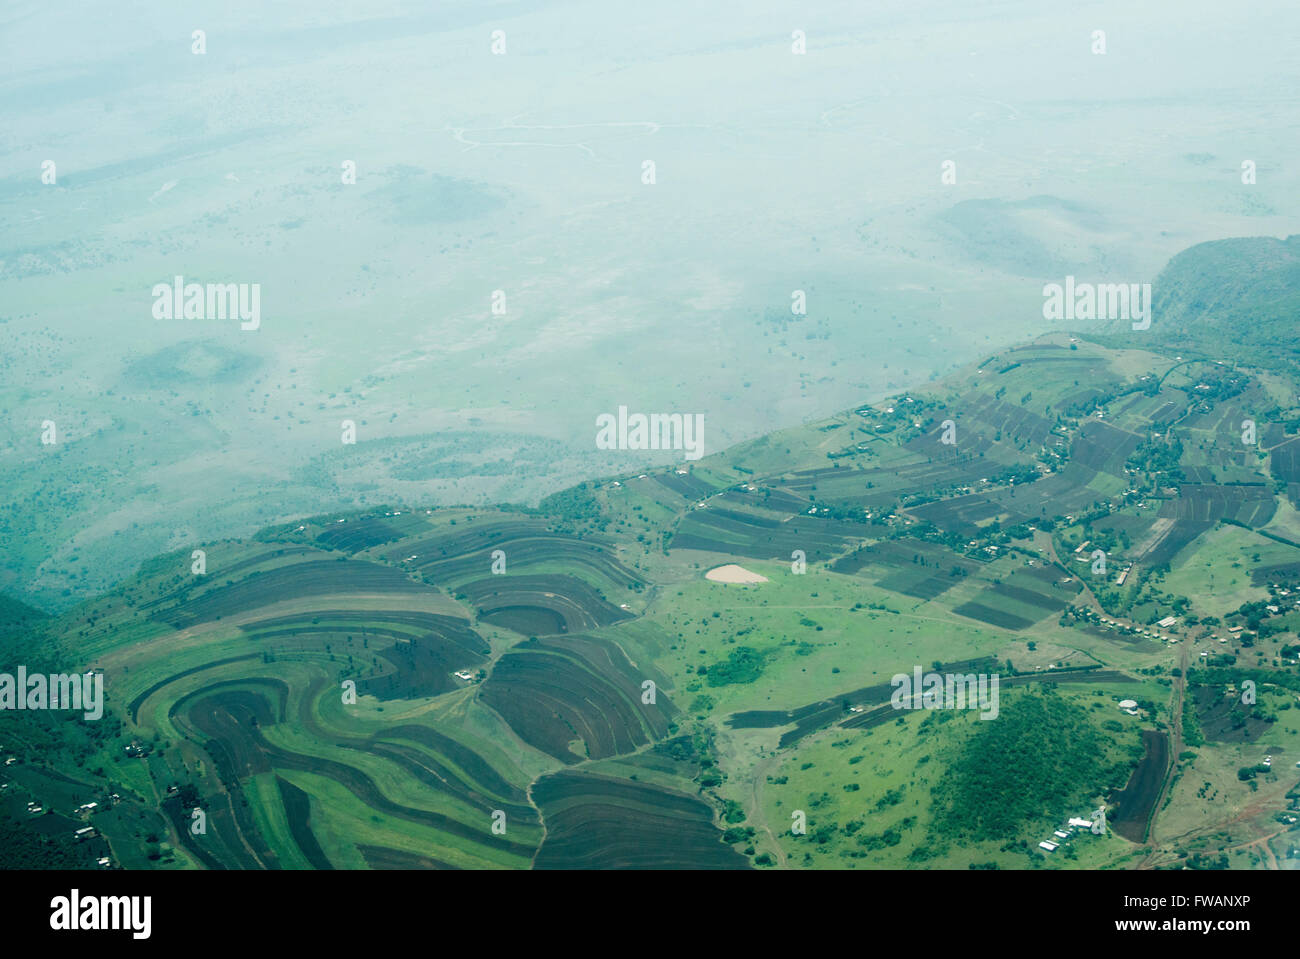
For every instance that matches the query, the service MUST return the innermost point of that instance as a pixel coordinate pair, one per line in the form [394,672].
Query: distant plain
[523,173]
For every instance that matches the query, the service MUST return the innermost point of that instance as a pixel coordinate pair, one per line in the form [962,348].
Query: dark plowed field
[961,514]
[1223,717]
[994,617]
[1284,462]
[747,534]
[523,548]
[553,692]
[541,605]
[356,535]
[910,567]
[1103,447]
[1251,505]
[688,487]
[136,703]
[380,857]
[465,758]
[593,822]
[1179,536]
[297,807]
[422,667]
[1138,798]
[314,578]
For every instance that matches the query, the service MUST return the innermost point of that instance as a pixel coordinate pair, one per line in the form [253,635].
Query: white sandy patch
[732,573]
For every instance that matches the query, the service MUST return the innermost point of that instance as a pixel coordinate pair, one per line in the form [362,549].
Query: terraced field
[581,690]
[561,687]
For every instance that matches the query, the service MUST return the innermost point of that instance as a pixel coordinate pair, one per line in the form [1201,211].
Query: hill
[1233,299]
